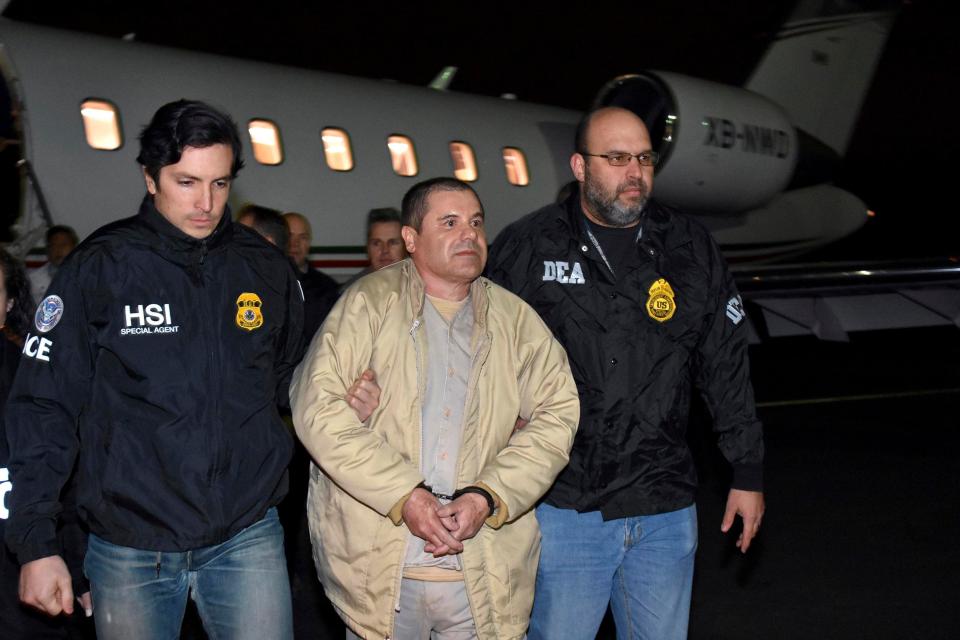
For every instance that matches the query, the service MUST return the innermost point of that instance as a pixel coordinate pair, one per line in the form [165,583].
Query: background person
[384,242]
[60,241]
[320,291]
[268,223]
[18,621]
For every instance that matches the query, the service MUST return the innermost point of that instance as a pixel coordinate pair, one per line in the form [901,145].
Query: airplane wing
[832,300]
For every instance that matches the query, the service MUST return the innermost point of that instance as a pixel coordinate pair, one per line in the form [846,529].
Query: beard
[607,206]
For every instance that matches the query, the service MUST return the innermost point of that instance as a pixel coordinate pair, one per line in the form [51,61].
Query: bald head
[300,237]
[293,217]
[586,122]
[604,120]
[612,196]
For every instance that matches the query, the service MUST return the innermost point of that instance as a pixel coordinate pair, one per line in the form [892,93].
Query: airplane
[746,161]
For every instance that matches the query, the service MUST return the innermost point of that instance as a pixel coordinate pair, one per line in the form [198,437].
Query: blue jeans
[642,566]
[240,587]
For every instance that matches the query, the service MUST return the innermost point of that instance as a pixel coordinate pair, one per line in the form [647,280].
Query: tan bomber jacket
[367,468]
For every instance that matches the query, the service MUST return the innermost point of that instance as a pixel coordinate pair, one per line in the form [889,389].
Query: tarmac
[861,538]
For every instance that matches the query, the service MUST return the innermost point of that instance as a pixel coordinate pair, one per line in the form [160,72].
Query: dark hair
[414,205]
[383,214]
[268,223]
[186,123]
[18,289]
[62,228]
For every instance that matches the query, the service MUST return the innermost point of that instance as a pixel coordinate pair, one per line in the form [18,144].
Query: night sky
[900,161]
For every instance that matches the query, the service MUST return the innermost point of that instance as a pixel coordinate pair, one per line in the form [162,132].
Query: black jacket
[17,620]
[320,293]
[634,371]
[169,356]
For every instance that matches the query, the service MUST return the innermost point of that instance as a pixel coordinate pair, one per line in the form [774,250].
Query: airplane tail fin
[443,79]
[820,65]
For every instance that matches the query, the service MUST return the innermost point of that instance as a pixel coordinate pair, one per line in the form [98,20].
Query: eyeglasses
[645,158]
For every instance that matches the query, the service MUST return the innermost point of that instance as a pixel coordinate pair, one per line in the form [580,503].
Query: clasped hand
[444,527]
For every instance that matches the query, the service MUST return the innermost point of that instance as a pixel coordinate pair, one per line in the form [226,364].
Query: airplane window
[464,164]
[402,155]
[336,148]
[516,166]
[265,140]
[101,124]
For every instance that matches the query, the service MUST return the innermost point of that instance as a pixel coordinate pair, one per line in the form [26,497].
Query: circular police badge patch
[48,313]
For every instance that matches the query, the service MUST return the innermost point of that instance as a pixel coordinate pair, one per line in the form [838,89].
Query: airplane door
[11,150]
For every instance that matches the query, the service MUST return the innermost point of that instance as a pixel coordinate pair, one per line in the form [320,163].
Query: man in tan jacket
[421,515]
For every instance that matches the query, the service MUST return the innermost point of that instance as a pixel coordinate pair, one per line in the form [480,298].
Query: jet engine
[722,149]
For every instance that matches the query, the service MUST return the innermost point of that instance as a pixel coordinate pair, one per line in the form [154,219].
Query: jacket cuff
[31,552]
[80,584]
[396,511]
[500,513]
[747,477]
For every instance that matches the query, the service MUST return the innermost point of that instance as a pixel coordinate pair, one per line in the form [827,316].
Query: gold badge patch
[249,315]
[661,305]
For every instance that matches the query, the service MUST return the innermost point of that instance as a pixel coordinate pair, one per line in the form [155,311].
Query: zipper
[420,392]
[217,397]
[420,388]
[399,582]
[479,360]
[214,379]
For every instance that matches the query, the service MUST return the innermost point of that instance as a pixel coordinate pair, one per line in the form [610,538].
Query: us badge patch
[661,306]
[249,313]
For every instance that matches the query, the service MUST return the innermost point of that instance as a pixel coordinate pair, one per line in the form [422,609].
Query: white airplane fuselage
[51,72]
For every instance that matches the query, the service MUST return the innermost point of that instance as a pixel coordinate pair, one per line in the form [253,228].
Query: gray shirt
[449,357]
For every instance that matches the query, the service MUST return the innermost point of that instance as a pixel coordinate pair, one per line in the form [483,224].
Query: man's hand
[748,505]
[45,585]
[420,513]
[466,514]
[364,395]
